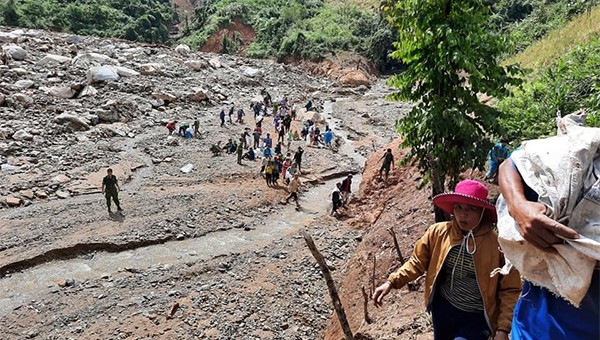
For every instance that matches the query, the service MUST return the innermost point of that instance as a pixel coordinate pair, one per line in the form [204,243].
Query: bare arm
[535,227]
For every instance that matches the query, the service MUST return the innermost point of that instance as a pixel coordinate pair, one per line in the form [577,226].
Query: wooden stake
[335,298]
[365,305]
[373,274]
[391,231]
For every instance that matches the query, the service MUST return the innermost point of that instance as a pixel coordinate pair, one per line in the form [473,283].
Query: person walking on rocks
[293,190]
[346,189]
[336,198]
[182,128]
[110,189]
[298,158]
[388,162]
[466,296]
[231,114]
[222,117]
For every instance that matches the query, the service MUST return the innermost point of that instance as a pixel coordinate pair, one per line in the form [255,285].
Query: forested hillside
[138,20]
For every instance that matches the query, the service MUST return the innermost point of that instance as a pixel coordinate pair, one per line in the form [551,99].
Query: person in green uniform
[197,128]
[110,189]
[240,150]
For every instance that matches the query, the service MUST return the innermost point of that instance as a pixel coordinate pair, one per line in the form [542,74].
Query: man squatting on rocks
[110,189]
[465,301]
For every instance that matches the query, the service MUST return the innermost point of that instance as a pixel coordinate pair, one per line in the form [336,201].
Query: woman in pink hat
[465,300]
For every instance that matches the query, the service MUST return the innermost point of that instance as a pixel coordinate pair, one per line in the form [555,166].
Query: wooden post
[335,298]
[366,305]
[391,231]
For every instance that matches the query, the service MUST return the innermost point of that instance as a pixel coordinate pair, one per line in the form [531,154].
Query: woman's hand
[381,292]
[501,335]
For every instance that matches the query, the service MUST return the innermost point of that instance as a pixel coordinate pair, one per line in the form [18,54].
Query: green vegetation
[543,53]
[140,20]
[570,84]
[527,21]
[307,29]
[451,57]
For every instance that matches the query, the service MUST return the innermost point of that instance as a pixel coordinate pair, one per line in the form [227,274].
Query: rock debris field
[212,253]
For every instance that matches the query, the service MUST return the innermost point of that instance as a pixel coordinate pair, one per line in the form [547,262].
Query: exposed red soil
[400,205]
[245,33]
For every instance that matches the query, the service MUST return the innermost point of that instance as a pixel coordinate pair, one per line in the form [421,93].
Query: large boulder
[21,135]
[354,78]
[199,95]
[125,72]
[22,98]
[53,59]
[250,71]
[16,52]
[101,58]
[167,97]
[24,83]
[66,92]
[99,74]
[6,37]
[214,62]
[183,49]
[88,91]
[196,65]
[74,122]
[150,69]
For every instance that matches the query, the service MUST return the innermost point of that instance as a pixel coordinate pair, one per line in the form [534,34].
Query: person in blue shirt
[268,142]
[328,136]
[267,152]
[498,154]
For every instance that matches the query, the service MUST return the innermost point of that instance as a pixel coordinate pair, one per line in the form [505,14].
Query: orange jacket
[499,293]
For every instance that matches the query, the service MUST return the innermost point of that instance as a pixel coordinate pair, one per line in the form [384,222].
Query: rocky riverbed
[72,106]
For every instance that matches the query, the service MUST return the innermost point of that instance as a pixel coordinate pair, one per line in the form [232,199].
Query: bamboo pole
[335,298]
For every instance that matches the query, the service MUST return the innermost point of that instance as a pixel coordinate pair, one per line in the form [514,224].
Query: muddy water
[20,288]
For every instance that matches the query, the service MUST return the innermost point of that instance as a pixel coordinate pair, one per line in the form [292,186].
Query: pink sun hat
[466,192]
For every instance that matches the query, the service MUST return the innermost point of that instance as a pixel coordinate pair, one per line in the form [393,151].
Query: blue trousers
[451,323]
[539,314]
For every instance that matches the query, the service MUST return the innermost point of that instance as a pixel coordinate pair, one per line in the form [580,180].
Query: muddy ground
[213,253]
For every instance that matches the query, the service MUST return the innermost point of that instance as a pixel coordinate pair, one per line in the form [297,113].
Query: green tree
[10,15]
[451,58]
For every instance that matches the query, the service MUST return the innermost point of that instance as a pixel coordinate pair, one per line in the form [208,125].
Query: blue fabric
[539,314]
[451,323]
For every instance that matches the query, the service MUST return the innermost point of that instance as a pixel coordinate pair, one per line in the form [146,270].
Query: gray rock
[125,72]
[196,65]
[24,83]
[63,195]
[89,90]
[6,37]
[23,98]
[76,123]
[16,52]
[65,92]
[99,74]
[53,59]
[214,62]
[250,71]
[150,69]
[21,135]
[199,95]
[183,49]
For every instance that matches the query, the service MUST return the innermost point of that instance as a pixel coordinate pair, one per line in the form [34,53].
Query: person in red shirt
[171,126]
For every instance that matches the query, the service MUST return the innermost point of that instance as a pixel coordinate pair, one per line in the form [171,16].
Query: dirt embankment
[397,204]
[236,32]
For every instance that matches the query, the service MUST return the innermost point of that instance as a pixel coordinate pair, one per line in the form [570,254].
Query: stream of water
[22,287]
